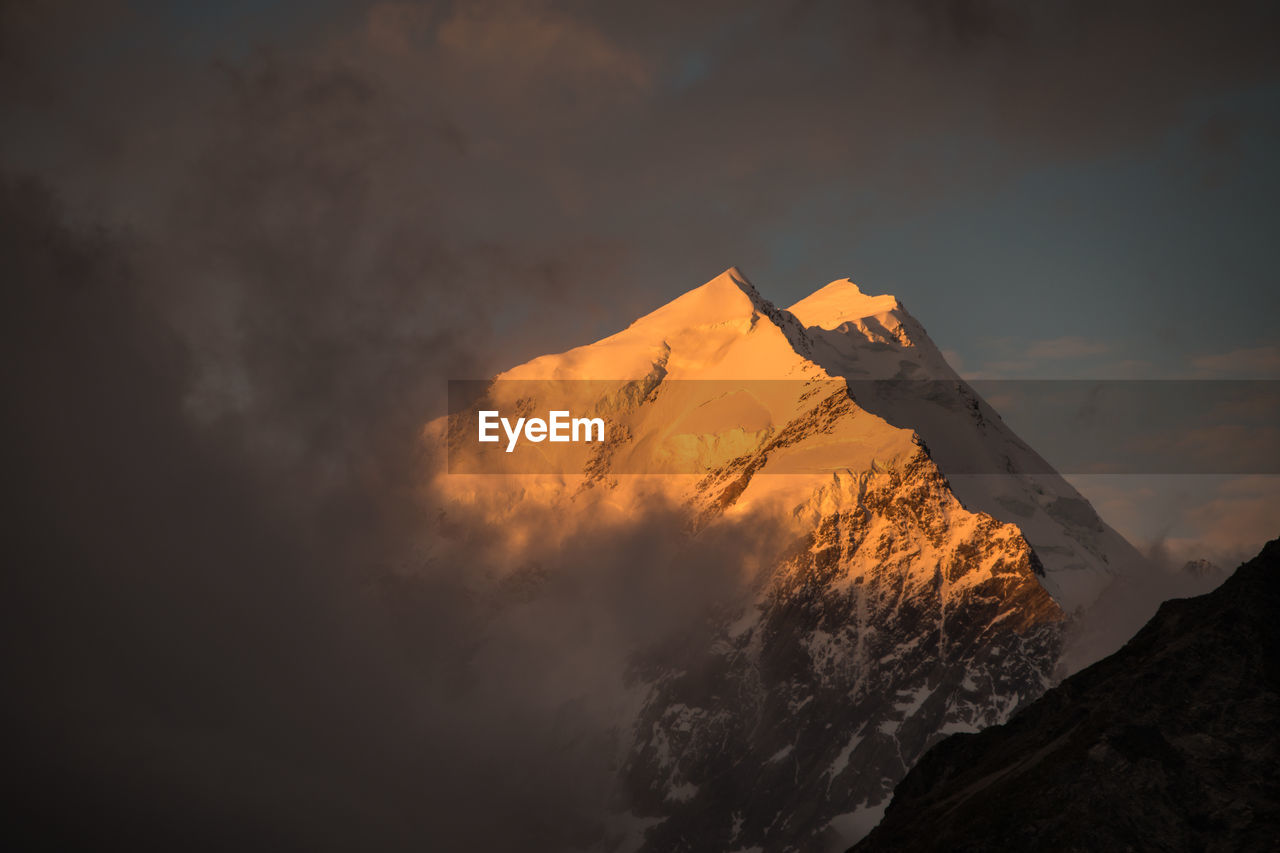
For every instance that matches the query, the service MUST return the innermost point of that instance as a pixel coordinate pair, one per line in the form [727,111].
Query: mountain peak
[841,285]
[728,296]
[841,302]
[722,329]
[734,278]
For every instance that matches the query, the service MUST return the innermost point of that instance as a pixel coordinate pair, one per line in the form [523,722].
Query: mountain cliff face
[898,618]
[1169,744]
[897,609]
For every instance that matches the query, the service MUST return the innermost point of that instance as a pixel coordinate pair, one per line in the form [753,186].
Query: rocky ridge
[1169,744]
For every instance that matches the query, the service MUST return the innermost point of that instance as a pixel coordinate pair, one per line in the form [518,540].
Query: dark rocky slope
[1172,743]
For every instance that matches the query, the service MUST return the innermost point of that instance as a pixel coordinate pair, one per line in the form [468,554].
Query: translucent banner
[657,425]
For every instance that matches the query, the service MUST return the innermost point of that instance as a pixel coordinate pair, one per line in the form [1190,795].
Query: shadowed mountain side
[1169,744]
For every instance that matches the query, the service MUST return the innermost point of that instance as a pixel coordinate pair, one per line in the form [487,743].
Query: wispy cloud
[1056,358]
[1070,346]
[1249,363]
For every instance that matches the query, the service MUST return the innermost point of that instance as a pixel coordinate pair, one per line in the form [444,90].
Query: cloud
[1237,519]
[1173,519]
[1066,348]
[517,45]
[258,620]
[1218,448]
[1249,363]
[1066,357]
[1182,517]
[1023,359]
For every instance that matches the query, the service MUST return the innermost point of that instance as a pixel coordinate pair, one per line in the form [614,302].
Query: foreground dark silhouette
[1169,744]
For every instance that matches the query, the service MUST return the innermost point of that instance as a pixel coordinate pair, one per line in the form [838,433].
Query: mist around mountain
[1168,744]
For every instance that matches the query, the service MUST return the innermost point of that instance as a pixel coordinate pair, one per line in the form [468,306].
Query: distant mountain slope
[1172,743]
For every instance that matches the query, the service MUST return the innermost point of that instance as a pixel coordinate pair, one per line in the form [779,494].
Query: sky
[253,241]
[1098,174]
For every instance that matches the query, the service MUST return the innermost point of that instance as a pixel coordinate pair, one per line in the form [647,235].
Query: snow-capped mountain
[906,602]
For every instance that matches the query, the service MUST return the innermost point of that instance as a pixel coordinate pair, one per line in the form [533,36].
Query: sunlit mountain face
[878,607]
